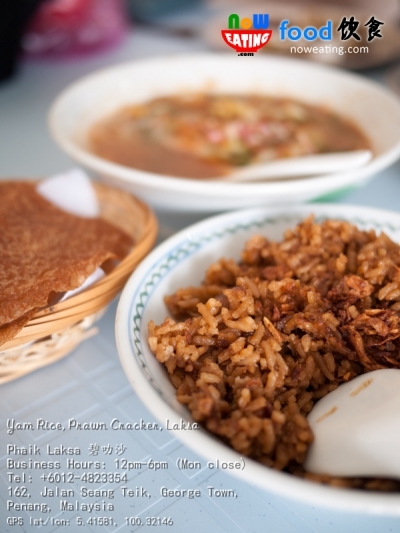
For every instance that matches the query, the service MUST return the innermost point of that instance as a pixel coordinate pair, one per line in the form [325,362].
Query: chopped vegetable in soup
[205,135]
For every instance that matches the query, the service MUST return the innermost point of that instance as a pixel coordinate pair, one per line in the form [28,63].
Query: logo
[247,35]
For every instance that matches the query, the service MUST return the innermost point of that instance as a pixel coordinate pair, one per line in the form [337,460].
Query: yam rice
[261,340]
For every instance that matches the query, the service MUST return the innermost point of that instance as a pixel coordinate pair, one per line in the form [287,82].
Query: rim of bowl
[280,483]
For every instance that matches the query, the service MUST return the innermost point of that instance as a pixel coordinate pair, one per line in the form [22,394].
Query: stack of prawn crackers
[45,251]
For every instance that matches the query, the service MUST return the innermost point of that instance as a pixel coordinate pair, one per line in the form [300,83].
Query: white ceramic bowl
[181,261]
[369,105]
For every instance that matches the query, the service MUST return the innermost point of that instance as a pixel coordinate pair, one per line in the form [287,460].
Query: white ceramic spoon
[357,428]
[309,165]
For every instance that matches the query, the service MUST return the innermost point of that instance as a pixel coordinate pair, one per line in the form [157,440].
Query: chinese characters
[348,28]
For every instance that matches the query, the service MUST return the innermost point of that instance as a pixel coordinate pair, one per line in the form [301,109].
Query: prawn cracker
[44,250]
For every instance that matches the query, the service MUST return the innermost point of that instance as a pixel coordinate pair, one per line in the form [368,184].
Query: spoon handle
[302,166]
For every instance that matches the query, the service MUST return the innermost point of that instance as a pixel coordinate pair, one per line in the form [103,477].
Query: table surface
[90,385]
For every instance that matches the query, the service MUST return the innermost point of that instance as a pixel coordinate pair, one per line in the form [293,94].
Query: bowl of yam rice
[233,329]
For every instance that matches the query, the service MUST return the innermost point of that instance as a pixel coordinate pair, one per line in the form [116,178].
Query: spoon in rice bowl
[309,165]
[357,428]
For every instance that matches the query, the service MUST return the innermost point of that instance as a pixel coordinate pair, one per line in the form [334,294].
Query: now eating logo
[247,35]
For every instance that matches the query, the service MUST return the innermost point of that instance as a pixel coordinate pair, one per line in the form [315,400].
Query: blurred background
[65,29]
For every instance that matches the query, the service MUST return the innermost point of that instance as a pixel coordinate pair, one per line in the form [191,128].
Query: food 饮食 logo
[247,35]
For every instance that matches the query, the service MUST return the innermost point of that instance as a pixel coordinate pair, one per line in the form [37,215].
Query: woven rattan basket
[55,330]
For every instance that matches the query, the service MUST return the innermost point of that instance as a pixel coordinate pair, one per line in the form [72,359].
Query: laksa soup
[210,135]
